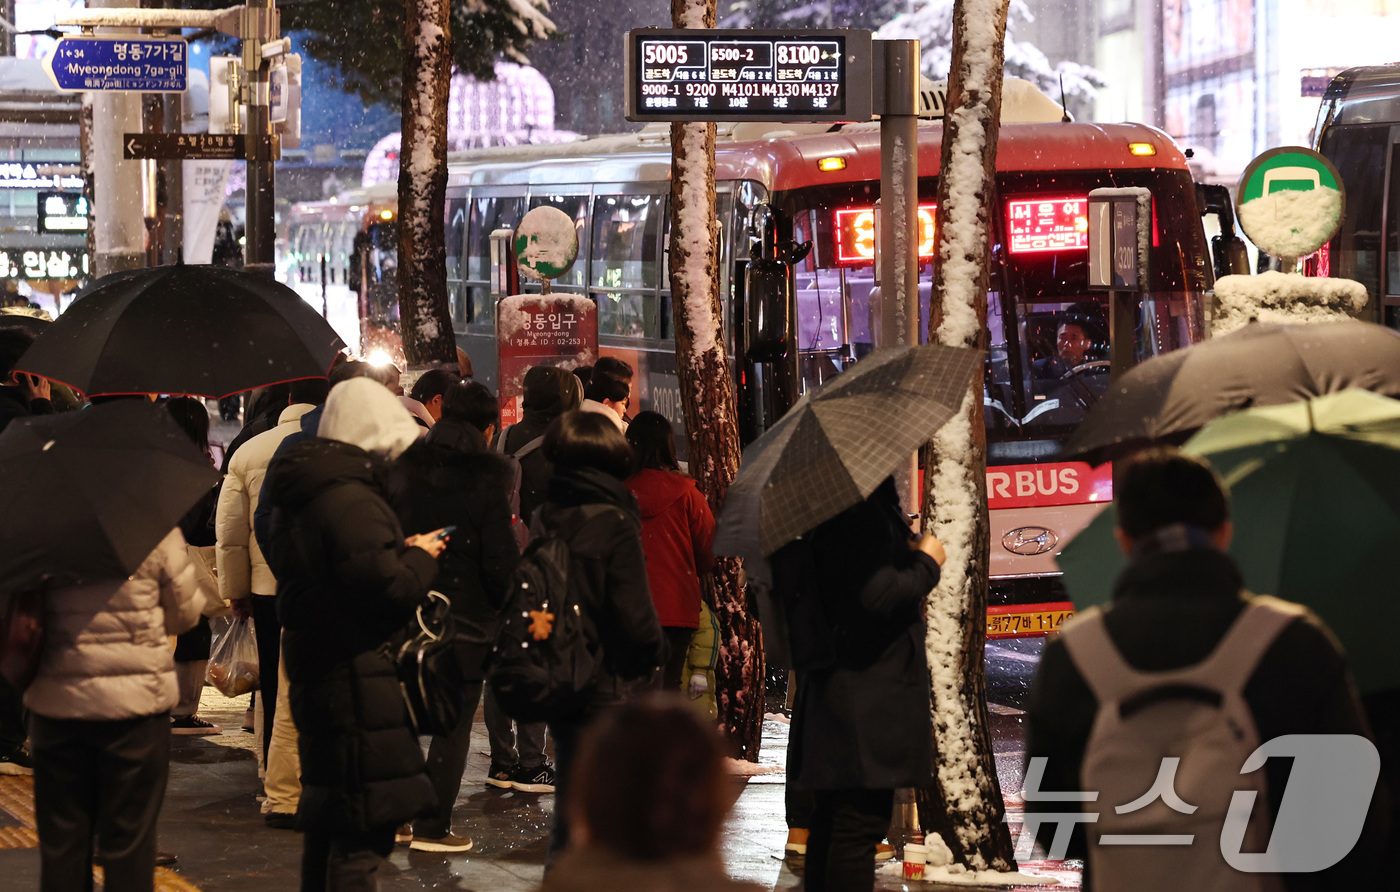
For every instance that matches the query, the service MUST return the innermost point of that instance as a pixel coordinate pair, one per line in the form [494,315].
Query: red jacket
[677,531]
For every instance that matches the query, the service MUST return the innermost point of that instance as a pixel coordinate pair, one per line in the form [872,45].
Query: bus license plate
[1025,624]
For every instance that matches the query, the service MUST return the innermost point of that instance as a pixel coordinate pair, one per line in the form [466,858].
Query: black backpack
[547,651]
[430,675]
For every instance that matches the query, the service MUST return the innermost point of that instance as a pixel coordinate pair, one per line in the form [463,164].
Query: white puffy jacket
[106,655]
[242,569]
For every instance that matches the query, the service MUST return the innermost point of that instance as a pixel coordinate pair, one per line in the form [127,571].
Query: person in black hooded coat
[347,585]
[451,479]
[587,504]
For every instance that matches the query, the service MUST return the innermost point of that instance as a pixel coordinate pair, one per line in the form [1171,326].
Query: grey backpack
[1165,755]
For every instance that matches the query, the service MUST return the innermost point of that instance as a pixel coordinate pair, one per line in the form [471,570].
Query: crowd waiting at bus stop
[398,561]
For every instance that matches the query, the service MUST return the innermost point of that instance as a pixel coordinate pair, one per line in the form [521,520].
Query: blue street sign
[119,64]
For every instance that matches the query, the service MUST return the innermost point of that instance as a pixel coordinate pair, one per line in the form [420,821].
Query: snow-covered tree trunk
[425,319]
[707,399]
[970,814]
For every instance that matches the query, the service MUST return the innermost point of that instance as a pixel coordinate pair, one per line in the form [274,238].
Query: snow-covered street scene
[700,445]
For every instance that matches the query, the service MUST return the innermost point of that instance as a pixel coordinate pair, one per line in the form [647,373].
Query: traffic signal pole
[260,24]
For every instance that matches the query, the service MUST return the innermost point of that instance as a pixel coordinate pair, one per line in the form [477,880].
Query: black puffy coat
[450,480]
[861,718]
[346,588]
[608,575]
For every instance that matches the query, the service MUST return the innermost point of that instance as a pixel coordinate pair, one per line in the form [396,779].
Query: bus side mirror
[1227,249]
[1231,258]
[769,286]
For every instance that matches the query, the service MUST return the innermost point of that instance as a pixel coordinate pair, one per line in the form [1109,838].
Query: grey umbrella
[1168,398]
[836,445]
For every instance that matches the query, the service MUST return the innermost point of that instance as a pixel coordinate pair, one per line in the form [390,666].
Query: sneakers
[280,820]
[884,851]
[17,761]
[193,725]
[403,835]
[500,775]
[449,843]
[533,780]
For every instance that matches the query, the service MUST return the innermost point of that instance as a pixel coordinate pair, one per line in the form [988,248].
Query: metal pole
[118,228]
[174,171]
[899,194]
[260,25]
[899,218]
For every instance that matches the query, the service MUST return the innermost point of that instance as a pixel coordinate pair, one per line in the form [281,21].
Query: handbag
[430,675]
[22,637]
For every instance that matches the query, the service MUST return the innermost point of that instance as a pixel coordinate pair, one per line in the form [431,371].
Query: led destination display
[748,75]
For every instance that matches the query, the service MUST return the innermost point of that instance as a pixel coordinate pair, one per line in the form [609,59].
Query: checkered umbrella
[838,443]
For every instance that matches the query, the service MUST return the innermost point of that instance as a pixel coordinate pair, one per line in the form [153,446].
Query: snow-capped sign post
[965,806]
[546,245]
[1290,203]
[694,75]
[541,329]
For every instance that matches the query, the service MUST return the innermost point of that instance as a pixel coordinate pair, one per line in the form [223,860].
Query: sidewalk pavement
[211,821]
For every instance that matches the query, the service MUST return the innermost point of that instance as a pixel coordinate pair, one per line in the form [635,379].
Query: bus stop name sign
[119,64]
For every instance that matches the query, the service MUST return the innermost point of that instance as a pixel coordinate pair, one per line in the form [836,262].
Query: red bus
[1049,336]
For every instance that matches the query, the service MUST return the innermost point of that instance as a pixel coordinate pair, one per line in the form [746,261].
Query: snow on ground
[1283,298]
[957,875]
[744,768]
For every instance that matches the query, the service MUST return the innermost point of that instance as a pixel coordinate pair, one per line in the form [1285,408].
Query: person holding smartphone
[348,581]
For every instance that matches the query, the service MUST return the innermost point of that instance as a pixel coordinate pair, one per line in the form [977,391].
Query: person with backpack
[677,531]
[1185,664]
[592,632]
[854,590]
[451,479]
[518,760]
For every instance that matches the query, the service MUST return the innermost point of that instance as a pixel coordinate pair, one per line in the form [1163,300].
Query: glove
[698,685]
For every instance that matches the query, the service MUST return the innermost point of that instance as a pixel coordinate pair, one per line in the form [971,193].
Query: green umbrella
[1315,498]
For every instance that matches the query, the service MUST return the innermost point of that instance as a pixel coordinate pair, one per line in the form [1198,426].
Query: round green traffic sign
[546,243]
[1290,201]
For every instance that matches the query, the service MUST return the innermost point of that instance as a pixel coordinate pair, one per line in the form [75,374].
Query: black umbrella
[198,330]
[1168,398]
[87,495]
[838,443]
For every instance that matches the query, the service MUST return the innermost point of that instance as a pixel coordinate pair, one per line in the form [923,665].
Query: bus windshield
[1049,348]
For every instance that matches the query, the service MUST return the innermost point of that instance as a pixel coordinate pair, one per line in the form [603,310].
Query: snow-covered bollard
[1283,298]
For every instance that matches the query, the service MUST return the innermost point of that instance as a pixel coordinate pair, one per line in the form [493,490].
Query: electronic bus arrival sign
[745,75]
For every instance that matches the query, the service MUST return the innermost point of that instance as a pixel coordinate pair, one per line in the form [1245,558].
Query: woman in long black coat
[854,588]
[347,584]
[587,504]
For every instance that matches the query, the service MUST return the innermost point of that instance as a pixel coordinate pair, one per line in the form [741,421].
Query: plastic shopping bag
[233,663]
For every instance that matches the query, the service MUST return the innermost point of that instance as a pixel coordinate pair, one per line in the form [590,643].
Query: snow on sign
[541,329]
[119,64]
[1290,201]
[546,243]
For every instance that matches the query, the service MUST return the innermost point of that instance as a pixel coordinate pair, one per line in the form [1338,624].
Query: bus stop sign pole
[1119,236]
